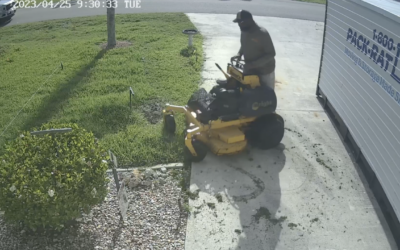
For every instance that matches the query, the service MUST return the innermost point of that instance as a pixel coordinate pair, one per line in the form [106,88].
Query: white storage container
[360,81]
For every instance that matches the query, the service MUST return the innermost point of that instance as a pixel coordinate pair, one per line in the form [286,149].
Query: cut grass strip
[93,88]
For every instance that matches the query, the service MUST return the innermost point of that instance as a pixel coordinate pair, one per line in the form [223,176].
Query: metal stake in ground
[131,93]
[114,169]
[123,201]
[51,131]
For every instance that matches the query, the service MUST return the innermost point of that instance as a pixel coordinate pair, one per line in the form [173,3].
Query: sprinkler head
[190,33]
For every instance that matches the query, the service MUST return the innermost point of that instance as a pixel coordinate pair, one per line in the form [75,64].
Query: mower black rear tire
[170,124]
[267,131]
[201,151]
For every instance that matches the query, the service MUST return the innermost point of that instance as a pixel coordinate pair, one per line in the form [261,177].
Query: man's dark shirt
[258,50]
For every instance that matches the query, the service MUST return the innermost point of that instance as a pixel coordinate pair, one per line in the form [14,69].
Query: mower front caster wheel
[201,151]
[170,124]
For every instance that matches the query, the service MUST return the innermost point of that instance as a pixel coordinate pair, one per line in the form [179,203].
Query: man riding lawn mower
[235,112]
[238,110]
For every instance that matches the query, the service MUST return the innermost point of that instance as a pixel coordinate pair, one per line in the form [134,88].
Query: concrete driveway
[305,194]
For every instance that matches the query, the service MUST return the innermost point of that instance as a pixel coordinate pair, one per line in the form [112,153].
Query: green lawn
[93,88]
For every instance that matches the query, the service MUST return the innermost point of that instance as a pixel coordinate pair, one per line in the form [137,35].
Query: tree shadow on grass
[55,102]
[107,119]
[188,51]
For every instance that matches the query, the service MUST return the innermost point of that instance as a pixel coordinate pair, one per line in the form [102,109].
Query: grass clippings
[263,212]
[314,220]
[218,197]
[211,205]
[322,162]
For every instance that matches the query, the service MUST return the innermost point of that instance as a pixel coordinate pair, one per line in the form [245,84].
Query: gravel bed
[156,219]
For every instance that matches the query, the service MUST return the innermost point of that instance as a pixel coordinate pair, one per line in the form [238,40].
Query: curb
[167,166]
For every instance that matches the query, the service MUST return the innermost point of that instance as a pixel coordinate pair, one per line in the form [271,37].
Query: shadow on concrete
[265,221]
[251,187]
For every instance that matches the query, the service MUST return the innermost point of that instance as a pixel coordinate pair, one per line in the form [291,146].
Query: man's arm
[240,53]
[268,48]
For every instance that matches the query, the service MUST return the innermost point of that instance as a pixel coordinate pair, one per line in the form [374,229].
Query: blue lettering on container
[380,57]
[397,98]
[349,34]
[374,51]
[365,46]
[393,74]
[389,59]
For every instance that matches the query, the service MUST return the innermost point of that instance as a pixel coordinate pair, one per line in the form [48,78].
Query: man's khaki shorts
[268,80]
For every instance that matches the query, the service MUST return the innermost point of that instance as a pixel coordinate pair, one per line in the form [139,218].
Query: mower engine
[239,96]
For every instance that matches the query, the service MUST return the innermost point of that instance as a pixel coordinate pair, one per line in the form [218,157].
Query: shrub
[49,180]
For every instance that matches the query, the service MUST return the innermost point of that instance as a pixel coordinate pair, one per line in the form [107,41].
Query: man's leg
[268,80]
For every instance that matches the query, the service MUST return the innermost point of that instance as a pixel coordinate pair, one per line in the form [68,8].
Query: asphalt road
[272,8]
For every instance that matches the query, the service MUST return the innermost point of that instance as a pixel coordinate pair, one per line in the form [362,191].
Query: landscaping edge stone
[167,166]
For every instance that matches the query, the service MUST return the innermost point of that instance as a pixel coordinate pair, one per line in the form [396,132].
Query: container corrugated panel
[360,76]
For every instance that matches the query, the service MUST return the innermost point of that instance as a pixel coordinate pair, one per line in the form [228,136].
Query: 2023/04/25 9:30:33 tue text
[66,4]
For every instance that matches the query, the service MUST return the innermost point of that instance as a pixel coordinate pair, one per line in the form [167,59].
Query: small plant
[48,181]
[219,197]
[187,207]
[193,195]
[188,51]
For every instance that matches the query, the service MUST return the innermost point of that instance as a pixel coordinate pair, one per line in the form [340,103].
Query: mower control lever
[238,62]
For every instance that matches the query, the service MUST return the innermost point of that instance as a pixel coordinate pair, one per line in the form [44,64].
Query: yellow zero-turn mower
[237,111]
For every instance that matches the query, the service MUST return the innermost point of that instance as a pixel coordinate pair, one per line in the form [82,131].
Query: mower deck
[221,137]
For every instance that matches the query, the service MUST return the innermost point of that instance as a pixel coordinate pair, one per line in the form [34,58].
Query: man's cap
[243,15]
